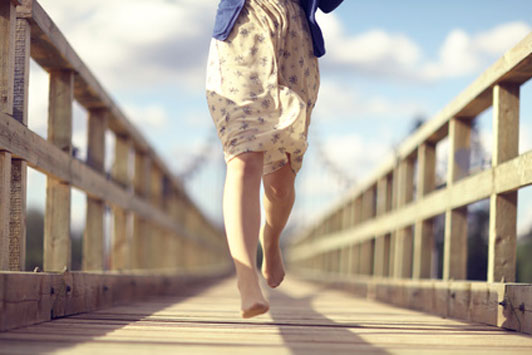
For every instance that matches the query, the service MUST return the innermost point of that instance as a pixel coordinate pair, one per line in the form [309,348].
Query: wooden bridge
[168,286]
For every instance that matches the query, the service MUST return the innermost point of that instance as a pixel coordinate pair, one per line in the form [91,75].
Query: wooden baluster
[5,197]
[403,236]
[366,257]
[17,224]
[382,249]
[57,243]
[93,238]
[156,182]
[423,230]
[355,257]
[141,185]
[503,207]
[121,241]
[14,72]
[7,55]
[455,240]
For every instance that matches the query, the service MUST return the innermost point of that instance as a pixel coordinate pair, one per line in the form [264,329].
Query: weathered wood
[501,179]
[45,157]
[455,242]
[121,240]
[36,297]
[93,238]
[423,246]
[17,212]
[403,253]
[7,55]
[22,71]
[5,201]
[57,243]
[17,223]
[423,232]
[503,207]
[141,185]
[52,51]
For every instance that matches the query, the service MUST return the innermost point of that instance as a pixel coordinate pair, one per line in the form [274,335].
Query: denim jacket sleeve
[226,16]
[329,5]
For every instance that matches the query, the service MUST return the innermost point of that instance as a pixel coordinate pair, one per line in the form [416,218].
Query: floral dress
[262,83]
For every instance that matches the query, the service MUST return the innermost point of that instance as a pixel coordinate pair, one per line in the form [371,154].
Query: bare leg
[241,207]
[279,197]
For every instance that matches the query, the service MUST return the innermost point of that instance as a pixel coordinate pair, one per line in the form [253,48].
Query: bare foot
[272,262]
[253,302]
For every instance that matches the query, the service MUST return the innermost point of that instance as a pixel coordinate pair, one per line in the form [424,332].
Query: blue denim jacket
[228,11]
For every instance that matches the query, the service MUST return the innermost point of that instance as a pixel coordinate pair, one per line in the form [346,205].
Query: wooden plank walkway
[304,319]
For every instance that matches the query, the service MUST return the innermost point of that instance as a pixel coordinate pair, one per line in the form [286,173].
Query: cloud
[150,117]
[144,43]
[463,54]
[395,55]
[339,101]
[375,52]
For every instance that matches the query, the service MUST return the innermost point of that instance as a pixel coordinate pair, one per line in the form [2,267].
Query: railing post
[455,243]
[423,230]
[5,197]
[14,72]
[403,236]
[503,207]
[93,258]
[18,166]
[141,184]
[7,55]
[382,242]
[156,194]
[121,241]
[57,243]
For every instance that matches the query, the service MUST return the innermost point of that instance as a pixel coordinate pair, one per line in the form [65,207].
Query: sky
[387,63]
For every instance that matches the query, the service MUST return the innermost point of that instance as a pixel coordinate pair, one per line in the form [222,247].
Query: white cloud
[150,117]
[338,101]
[373,52]
[144,43]
[395,55]
[463,54]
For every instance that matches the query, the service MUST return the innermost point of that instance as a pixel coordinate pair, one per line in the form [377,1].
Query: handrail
[382,231]
[169,232]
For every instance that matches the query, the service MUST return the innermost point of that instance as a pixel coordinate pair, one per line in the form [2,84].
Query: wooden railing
[170,237]
[381,238]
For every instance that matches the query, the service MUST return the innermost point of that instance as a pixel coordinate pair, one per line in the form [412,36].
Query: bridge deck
[305,319]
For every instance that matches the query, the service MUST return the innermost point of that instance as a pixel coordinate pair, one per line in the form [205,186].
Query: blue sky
[387,62]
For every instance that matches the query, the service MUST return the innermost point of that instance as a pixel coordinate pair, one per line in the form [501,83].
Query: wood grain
[304,319]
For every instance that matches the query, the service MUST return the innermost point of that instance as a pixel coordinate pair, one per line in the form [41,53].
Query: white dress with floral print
[262,83]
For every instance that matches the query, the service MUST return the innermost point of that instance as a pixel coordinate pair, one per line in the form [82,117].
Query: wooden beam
[515,67]
[506,177]
[51,50]
[498,304]
[29,299]
[57,243]
[93,238]
[7,55]
[121,240]
[503,207]
[5,201]
[17,223]
[423,230]
[455,243]
[48,159]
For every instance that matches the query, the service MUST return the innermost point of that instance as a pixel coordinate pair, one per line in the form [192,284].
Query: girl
[262,84]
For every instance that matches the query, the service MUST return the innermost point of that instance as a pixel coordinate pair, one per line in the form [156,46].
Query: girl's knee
[279,185]
[250,163]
